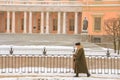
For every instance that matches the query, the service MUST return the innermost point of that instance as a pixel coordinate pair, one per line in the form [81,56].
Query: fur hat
[78,43]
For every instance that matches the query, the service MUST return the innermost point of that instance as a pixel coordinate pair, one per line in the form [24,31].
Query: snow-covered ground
[4,49]
[63,77]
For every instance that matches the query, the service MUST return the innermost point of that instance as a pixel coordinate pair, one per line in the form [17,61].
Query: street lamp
[44,51]
[108,53]
[11,51]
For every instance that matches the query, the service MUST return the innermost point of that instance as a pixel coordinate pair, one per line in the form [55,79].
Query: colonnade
[47,16]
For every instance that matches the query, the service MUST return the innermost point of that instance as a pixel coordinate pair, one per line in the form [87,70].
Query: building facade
[56,16]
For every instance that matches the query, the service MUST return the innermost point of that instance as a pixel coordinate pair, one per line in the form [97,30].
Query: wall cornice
[102,5]
[40,8]
[62,8]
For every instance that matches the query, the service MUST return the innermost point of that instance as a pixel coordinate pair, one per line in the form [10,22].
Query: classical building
[56,16]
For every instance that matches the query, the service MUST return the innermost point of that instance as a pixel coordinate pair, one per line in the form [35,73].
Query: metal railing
[57,63]
[103,64]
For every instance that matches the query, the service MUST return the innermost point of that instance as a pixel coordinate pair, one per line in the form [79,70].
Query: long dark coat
[79,63]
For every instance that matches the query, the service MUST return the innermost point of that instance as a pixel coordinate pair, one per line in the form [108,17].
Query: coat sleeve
[78,54]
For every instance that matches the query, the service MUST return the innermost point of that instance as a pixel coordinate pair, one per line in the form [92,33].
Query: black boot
[76,75]
[88,74]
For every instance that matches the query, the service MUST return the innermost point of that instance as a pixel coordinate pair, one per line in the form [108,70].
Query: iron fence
[56,63]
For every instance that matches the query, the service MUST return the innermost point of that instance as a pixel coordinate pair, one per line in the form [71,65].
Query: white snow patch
[4,49]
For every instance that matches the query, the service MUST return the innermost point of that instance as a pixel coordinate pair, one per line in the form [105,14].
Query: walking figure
[79,61]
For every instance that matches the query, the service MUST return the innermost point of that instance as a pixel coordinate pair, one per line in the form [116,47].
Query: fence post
[11,51]
[44,51]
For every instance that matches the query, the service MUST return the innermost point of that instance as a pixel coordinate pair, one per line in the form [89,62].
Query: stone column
[59,21]
[47,22]
[64,22]
[42,22]
[76,23]
[13,22]
[8,22]
[25,22]
[30,22]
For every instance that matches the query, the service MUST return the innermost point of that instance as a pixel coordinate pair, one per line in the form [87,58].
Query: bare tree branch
[112,27]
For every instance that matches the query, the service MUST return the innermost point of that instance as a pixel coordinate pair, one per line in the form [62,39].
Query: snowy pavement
[67,76]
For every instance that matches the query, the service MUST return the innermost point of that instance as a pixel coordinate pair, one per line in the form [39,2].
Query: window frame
[97,27]
[97,15]
[97,40]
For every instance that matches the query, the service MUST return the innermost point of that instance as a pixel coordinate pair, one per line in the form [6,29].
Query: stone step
[37,38]
[44,39]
